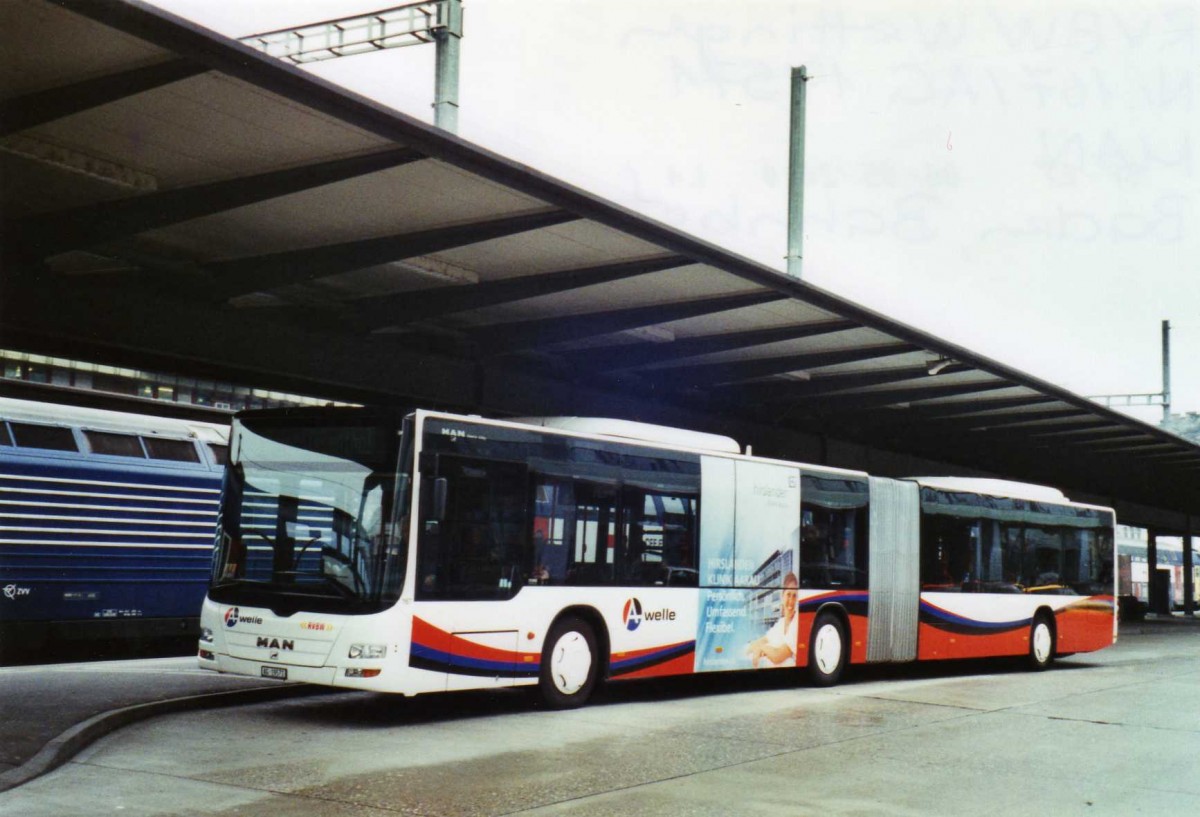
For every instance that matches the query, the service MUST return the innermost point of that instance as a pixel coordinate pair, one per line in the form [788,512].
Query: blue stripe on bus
[424,657]
[648,660]
[944,619]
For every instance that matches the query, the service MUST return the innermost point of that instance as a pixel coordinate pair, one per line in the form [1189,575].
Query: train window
[121,445]
[4,438]
[220,453]
[176,450]
[54,438]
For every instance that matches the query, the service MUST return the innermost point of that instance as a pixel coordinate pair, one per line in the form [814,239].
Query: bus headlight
[368,650]
[206,635]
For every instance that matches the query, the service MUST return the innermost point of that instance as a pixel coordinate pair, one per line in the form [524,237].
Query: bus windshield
[307,517]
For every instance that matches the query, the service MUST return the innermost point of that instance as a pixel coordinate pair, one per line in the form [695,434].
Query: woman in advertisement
[778,647]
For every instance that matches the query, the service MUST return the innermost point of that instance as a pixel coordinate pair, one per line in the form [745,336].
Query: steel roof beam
[37,237]
[525,335]
[40,107]
[1043,456]
[965,409]
[1184,456]
[940,429]
[918,420]
[708,374]
[982,423]
[823,405]
[241,276]
[1046,433]
[619,357]
[977,422]
[1119,446]
[425,304]
[1068,430]
[1101,435]
[778,391]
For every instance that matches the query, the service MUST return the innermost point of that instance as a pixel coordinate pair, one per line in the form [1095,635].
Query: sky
[1017,177]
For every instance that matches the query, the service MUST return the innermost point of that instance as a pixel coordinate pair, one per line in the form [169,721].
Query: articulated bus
[423,552]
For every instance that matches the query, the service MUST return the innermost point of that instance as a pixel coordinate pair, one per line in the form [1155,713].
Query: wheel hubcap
[570,663]
[1041,642]
[828,648]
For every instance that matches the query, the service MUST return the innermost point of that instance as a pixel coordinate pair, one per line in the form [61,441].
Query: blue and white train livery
[106,523]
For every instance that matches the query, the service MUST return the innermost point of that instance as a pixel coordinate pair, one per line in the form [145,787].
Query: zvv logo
[632,615]
[12,592]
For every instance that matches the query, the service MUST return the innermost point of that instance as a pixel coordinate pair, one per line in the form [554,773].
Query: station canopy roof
[172,198]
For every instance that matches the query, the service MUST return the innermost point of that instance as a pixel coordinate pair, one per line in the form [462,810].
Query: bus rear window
[121,445]
[176,450]
[54,438]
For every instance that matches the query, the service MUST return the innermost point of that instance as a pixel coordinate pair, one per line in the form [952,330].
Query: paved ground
[1113,733]
[48,713]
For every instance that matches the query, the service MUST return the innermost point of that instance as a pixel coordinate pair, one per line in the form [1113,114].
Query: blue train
[106,525]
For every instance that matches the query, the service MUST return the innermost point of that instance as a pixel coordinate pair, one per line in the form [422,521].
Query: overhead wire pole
[445,96]
[795,253]
[1162,398]
[438,22]
[1166,366]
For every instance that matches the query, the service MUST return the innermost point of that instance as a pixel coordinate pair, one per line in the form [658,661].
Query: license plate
[279,673]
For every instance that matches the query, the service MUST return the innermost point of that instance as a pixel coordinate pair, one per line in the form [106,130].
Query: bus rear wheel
[1041,643]
[569,664]
[827,650]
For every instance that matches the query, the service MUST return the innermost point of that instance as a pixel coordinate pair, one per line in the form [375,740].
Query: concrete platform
[49,713]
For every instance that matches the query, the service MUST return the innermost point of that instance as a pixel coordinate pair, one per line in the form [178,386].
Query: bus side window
[553,530]
[476,551]
[834,533]
[591,559]
[658,538]
[951,554]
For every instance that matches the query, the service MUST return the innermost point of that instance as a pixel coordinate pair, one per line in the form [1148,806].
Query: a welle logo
[233,616]
[634,616]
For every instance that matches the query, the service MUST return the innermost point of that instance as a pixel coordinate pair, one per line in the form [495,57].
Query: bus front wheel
[569,664]
[827,650]
[1041,643]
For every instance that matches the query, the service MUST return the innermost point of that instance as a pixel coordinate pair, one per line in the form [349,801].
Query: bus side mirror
[440,489]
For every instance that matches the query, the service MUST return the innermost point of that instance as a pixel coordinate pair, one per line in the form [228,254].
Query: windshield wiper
[347,593]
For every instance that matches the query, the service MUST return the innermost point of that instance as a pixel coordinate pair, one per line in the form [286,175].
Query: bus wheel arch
[829,645]
[1043,639]
[574,658]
